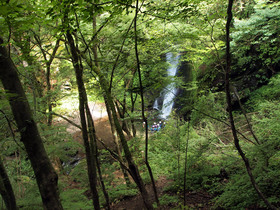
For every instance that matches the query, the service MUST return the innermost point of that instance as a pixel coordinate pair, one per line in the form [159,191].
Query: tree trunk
[95,55]
[48,73]
[178,146]
[143,109]
[48,79]
[91,162]
[45,174]
[116,140]
[186,162]
[106,195]
[132,110]
[28,60]
[124,123]
[6,189]
[133,170]
[228,97]
[94,149]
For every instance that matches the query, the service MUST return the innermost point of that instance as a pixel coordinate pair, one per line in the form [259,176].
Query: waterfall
[170,90]
[156,106]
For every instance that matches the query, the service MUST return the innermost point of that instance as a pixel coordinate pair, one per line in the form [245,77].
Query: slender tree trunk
[186,162]
[245,115]
[95,55]
[102,183]
[124,123]
[178,146]
[93,144]
[48,79]
[95,141]
[6,189]
[228,96]
[91,163]
[143,110]
[132,110]
[45,174]
[90,127]
[116,140]
[34,84]
[133,170]
[49,100]
[48,73]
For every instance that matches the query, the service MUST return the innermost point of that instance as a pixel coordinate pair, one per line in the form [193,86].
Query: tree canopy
[84,77]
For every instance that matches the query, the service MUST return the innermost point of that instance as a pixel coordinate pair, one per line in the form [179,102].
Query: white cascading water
[170,90]
[156,106]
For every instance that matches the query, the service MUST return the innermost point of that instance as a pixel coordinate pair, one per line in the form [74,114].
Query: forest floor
[101,124]
[195,200]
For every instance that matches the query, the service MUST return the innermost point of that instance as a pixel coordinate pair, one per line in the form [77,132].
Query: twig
[114,155]
[11,129]
[119,53]
[245,115]
[65,118]
[225,124]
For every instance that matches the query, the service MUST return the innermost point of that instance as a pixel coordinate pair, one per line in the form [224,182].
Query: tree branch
[65,118]
[11,129]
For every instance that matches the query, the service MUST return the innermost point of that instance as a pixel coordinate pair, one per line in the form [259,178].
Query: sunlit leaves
[255,39]
[16,16]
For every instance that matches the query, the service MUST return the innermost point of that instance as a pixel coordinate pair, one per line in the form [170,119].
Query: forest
[134,104]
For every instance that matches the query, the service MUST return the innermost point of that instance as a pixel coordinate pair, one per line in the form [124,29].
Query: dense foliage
[195,151]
